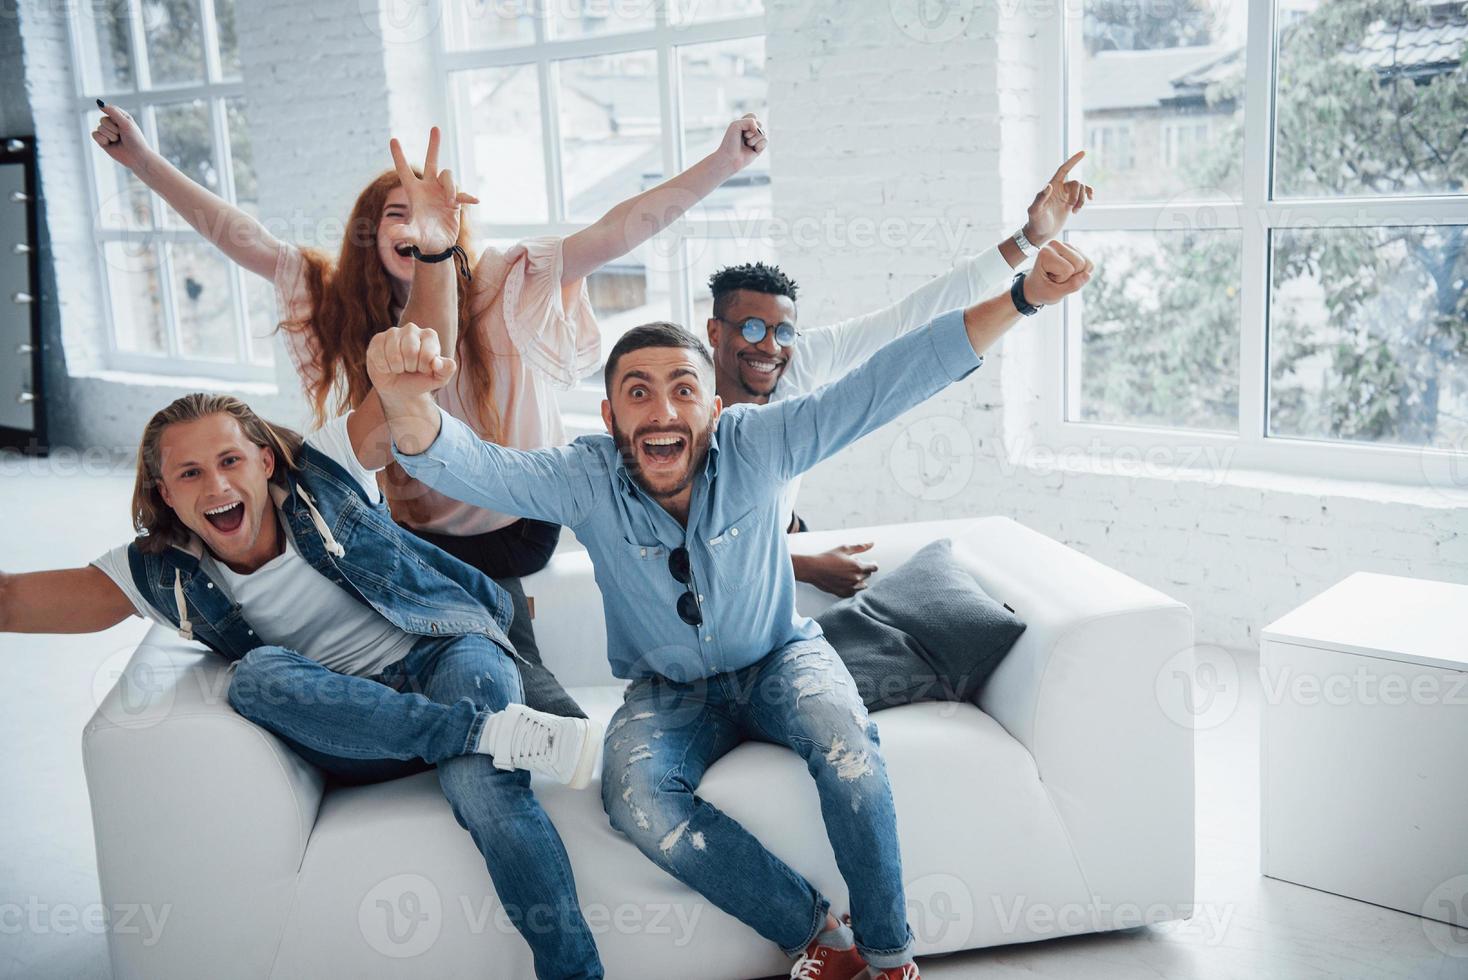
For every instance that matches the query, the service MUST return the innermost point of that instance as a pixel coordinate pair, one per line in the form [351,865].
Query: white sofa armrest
[201,819]
[1095,689]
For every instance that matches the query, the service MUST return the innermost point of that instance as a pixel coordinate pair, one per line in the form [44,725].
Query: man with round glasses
[755,341]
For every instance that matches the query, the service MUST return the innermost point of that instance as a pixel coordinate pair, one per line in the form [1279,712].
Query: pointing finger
[1067,166]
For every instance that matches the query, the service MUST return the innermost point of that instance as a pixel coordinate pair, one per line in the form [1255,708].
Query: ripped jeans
[666,735]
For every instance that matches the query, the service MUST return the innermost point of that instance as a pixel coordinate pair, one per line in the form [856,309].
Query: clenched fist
[405,362]
[1060,270]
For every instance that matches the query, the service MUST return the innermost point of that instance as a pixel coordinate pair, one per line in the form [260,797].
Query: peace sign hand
[1057,200]
[434,203]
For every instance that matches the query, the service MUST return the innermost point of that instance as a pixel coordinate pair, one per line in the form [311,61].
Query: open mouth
[227,518]
[663,449]
[405,249]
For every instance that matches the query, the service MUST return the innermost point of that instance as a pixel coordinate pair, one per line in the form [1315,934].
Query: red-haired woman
[525,320]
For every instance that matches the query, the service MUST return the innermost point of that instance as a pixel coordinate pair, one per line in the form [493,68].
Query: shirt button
[210,585]
[644,552]
[734,533]
[251,632]
[709,638]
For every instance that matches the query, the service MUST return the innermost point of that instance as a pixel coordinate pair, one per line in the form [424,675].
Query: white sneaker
[564,749]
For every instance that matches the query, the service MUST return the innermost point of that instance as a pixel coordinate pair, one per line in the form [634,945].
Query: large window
[175,304]
[1282,224]
[560,109]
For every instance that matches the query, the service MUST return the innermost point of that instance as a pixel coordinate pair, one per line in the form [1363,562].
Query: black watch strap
[1017,294]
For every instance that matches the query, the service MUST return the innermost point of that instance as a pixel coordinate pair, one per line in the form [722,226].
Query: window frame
[665,37]
[140,101]
[1255,216]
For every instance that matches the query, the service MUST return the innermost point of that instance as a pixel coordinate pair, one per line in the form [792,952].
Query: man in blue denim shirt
[679,508]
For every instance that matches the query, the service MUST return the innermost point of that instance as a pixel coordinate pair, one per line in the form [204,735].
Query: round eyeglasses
[754,329]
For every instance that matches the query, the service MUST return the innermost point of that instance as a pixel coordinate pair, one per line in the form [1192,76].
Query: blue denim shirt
[735,538]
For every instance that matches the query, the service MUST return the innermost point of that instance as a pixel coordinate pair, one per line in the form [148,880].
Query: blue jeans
[665,736]
[428,709]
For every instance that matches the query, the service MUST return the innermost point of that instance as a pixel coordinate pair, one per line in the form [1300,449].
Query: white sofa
[1062,803]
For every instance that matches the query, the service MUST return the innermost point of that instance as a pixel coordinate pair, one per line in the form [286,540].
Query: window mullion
[670,110]
[208,26]
[142,75]
[1254,289]
[224,162]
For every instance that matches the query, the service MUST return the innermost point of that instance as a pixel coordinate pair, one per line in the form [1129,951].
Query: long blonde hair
[157,525]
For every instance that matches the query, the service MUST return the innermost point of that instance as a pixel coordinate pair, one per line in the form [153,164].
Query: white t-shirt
[827,353]
[290,604]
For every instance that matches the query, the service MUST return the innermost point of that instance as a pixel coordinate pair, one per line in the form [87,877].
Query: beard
[698,444]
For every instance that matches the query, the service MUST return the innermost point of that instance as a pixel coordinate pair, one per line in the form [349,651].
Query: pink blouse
[541,333]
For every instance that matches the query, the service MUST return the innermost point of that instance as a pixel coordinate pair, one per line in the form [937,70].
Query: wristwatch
[1027,248]
[1017,294]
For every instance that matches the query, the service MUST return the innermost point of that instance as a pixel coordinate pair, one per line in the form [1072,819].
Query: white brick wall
[918,114]
[874,122]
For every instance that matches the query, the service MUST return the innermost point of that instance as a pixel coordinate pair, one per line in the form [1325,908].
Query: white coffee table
[1364,746]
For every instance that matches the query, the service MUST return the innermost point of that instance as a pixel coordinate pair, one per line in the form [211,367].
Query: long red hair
[351,302]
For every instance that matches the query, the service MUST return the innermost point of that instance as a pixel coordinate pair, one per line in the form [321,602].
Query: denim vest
[356,545]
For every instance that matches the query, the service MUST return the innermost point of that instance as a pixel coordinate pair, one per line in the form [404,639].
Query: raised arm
[791,436]
[69,600]
[829,352]
[406,367]
[436,209]
[239,236]
[637,219]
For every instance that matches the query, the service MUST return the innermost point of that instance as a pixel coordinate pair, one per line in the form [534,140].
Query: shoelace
[531,739]
[806,968]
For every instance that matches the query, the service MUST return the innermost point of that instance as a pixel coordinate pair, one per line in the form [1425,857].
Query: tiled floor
[1247,927]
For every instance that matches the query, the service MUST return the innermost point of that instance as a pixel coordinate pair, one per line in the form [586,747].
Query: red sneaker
[828,963]
[907,971]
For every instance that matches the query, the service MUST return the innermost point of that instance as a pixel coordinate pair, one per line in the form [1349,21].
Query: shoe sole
[586,764]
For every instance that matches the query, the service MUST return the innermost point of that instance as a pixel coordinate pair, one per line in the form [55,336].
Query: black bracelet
[460,257]
[1017,294]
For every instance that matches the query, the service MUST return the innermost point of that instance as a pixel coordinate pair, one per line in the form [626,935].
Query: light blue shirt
[735,537]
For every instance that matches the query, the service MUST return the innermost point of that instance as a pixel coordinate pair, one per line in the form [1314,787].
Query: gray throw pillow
[923,632]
